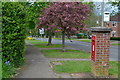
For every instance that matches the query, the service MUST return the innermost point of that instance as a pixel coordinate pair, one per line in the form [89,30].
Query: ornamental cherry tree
[67,16]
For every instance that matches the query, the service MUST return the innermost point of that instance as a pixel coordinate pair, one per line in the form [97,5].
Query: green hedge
[13,37]
[0,40]
[115,38]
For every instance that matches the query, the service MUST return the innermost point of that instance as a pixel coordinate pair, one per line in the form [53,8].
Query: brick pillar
[100,64]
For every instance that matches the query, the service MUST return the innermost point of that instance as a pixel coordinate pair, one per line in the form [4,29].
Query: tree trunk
[47,36]
[63,41]
[50,39]
[38,33]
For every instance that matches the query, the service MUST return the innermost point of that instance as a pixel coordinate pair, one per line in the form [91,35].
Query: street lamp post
[103,14]
[98,16]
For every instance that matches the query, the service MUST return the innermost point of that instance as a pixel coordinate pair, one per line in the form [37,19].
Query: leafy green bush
[16,20]
[115,38]
[0,41]
[13,36]
[8,70]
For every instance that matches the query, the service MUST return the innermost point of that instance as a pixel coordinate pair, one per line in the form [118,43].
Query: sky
[107,7]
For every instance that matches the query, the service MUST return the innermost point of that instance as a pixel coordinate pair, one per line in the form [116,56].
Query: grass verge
[82,66]
[36,41]
[115,44]
[72,67]
[41,44]
[67,54]
[86,40]
[50,46]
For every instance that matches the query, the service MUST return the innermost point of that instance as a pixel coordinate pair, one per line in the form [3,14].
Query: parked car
[81,35]
[90,36]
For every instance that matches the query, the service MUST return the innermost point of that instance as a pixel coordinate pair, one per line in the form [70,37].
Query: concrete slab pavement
[36,65]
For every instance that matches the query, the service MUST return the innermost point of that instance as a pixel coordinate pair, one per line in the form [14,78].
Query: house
[114,24]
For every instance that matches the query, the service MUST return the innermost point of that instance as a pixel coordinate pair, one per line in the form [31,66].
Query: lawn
[86,40]
[81,66]
[115,44]
[67,54]
[114,69]
[73,67]
[50,46]
[41,44]
[36,41]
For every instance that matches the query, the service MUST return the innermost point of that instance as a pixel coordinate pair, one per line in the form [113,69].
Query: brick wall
[117,28]
[101,63]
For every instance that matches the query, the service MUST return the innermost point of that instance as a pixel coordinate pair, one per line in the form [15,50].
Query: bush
[29,38]
[13,37]
[8,70]
[115,38]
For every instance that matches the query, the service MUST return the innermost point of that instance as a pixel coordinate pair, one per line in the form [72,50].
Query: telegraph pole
[103,14]
[98,15]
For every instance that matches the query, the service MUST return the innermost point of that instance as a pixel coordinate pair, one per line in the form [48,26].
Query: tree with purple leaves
[67,16]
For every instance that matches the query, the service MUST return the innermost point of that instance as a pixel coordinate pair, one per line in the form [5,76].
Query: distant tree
[91,20]
[66,16]
[116,4]
[33,10]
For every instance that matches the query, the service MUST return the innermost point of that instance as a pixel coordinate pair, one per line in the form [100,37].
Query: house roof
[115,18]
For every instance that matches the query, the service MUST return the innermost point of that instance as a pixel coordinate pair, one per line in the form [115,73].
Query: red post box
[93,48]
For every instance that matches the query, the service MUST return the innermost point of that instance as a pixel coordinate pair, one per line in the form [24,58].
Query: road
[85,46]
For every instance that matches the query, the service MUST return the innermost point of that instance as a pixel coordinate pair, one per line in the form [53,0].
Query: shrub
[115,38]
[29,38]
[13,37]
[8,70]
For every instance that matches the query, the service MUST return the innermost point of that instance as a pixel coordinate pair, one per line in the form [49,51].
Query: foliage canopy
[66,16]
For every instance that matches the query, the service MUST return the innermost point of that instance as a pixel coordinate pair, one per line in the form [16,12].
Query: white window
[113,33]
[114,24]
[107,24]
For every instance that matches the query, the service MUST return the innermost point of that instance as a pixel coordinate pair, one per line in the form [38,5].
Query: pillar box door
[100,51]
[93,47]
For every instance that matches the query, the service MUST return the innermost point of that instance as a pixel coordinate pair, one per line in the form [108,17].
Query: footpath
[36,65]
